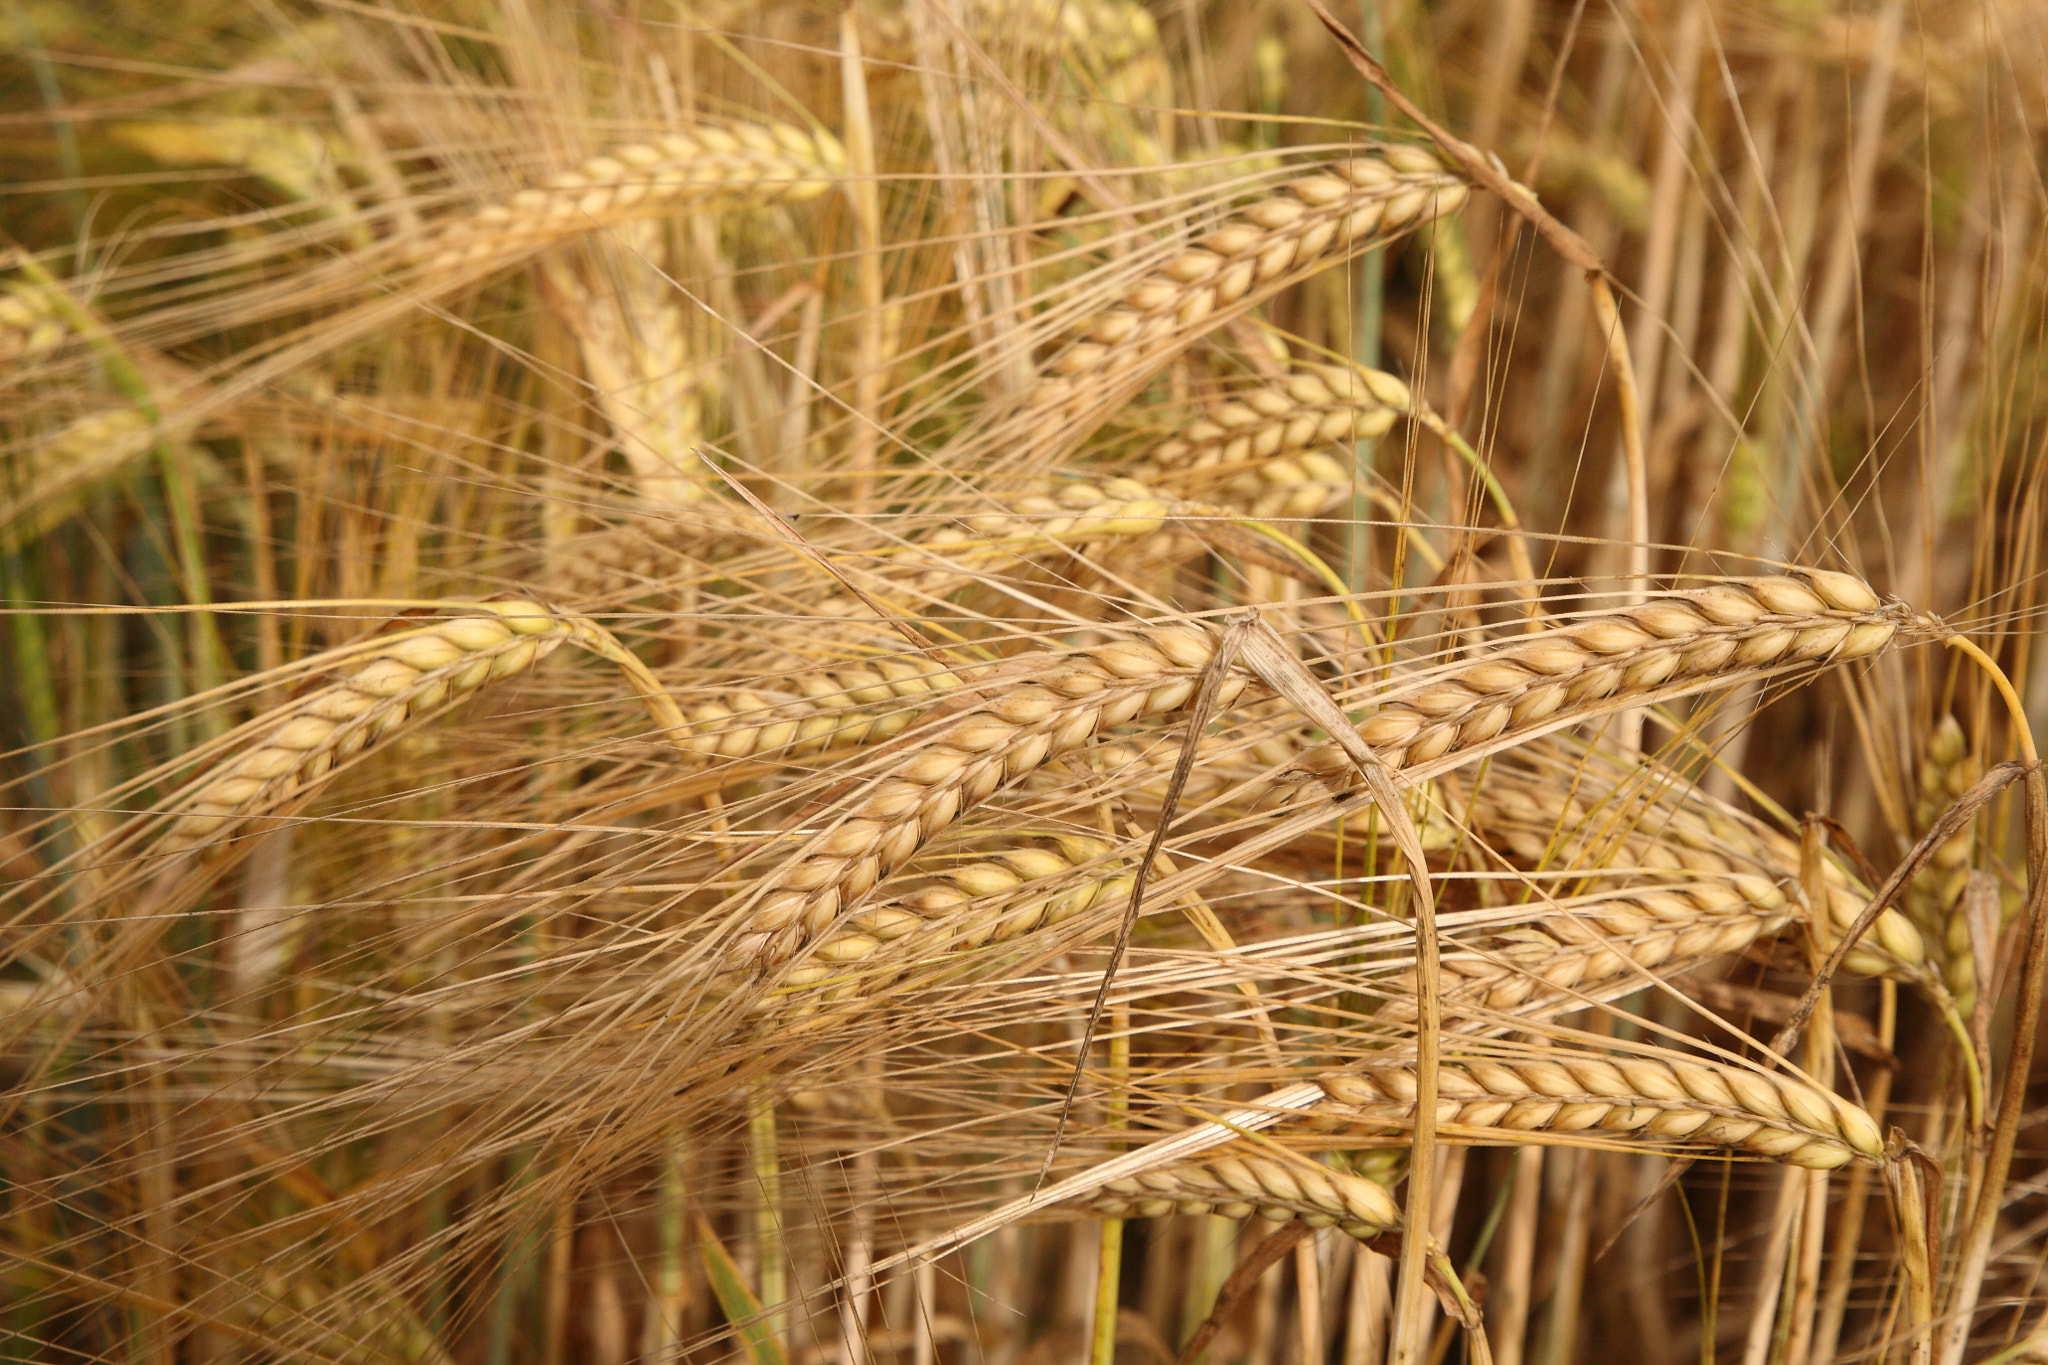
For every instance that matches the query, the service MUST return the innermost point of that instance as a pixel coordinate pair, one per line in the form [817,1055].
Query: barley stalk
[734,163]
[1240,1184]
[1665,1098]
[1339,209]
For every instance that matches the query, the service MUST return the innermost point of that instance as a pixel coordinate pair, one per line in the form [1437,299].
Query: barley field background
[1007,682]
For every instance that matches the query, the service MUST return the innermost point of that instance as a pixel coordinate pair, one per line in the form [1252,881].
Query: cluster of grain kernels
[1114,509]
[1672,1099]
[1934,899]
[1004,896]
[736,161]
[30,324]
[1073,699]
[1233,1186]
[1711,636]
[629,327]
[280,755]
[1650,823]
[1596,946]
[1265,439]
[1345,203]
[854,703]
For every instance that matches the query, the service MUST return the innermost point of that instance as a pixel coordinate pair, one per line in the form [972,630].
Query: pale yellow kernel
[1787,596]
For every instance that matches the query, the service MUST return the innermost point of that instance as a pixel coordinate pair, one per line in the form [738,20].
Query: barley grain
[1668,646]
[277,761]
[1245,1182]
[1060,704]
[629,325]
[734,163]
[1665,1099]
[1337,210]
[1643,821]
[1596,947]
[1672,644]
[1004,896]
[31,326]
[1263,441]
[1933,900]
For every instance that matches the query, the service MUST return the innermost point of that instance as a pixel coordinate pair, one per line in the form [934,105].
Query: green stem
[773,1277]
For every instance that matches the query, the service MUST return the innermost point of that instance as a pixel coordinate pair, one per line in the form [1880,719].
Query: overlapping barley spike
[628,324]
[1667,1099]
[1000,897]
[860,702]
[1009,533]
[1643,821]
[1597,947]
[1669,646]
[1263,441]
[1048,707]
[277,761]
[734,163]
[48,478]
[1948,768]
[1716,636]
[1240,1182]
[1335,211]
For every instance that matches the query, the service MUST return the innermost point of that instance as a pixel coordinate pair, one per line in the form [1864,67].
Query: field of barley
[1023,682]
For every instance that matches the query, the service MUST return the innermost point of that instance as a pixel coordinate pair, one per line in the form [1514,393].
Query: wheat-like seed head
[1061,704]
[1721,635]
[735,163]
[1237,1183]
[1668,1099]
[31,325]
[1643,821]
[1263,440]
[49,478]
[628,323]
[1340,208]
[853,703]
[1933,900]
[1596,947]
[1676,643]
[1014,534]
[1004,895]
[278,760]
